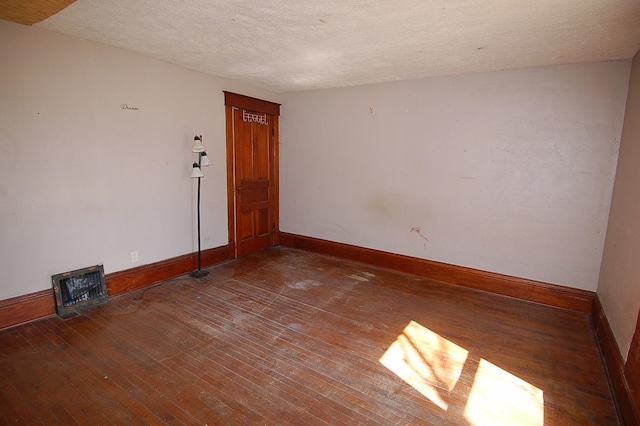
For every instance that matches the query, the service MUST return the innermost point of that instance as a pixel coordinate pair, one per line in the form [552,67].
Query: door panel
[253,179]
[252,175]
[252,183]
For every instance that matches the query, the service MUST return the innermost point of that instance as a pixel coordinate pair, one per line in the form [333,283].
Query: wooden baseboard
[632,370]
[33,306]
[520,288]
[628,413]
[28,307]
[145,275]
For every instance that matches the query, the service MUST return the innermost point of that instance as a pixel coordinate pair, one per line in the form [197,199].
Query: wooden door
[252,173]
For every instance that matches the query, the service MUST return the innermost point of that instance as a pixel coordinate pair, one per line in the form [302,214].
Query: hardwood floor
[290,337]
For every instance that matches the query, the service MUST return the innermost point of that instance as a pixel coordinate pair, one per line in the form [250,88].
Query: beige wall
[619,287]
[83,181]
[508,171]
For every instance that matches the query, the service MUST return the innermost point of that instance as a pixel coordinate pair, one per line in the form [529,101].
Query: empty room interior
[320,213]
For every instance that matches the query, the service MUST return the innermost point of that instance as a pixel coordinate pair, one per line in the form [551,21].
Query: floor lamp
[196,173]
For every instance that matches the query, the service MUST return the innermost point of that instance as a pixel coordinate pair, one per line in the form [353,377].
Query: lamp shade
[197,144]
[196,172]
[204,160]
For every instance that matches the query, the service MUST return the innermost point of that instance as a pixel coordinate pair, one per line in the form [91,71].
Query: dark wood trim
[231,189]
[632,370]
[275,237]
[33,306]
[28,307]
[520,288]
[252,104]
[31,12]
[145,275]
[614,364]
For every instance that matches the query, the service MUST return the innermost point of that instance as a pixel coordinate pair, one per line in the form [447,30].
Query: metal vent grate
[77,290]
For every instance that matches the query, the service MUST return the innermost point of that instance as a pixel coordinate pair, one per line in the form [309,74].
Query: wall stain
[418,230]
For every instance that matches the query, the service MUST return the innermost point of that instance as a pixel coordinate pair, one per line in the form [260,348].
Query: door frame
[235,100]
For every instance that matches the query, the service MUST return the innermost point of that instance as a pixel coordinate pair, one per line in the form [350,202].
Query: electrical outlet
[134,257]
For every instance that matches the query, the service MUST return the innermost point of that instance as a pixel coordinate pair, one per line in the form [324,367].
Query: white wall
[83,181]
[619,286]
[510,171]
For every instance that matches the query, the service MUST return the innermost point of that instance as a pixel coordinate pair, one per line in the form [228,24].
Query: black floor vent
[77,290]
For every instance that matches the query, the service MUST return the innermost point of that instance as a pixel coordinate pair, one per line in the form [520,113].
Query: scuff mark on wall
[418,230]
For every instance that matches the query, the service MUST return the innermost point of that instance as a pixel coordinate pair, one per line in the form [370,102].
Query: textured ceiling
[290,45]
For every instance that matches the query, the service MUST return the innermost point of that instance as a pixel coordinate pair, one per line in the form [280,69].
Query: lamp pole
[199,273]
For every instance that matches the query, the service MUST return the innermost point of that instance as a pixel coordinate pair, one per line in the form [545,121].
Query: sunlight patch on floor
[500,398]
[433,366]
[426,361]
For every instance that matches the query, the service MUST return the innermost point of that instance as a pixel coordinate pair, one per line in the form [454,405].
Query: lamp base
[199,273]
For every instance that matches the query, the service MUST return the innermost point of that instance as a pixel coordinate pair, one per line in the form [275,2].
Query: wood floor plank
[312,362]
[15,408]
[36,381]
[185,357]
[148,404]
[125,365]
[233,341]
[287,337]
[254,344]
[101,394]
